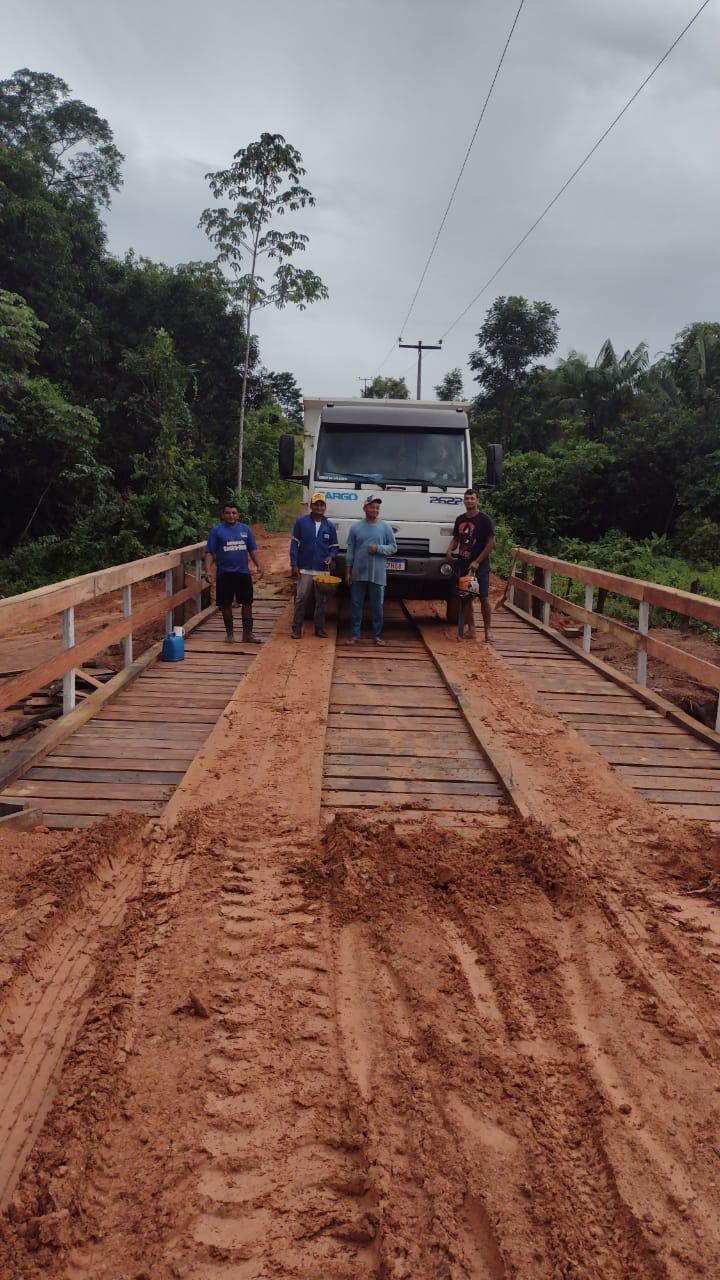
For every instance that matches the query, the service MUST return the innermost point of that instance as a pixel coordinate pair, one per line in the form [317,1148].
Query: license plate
[397,565]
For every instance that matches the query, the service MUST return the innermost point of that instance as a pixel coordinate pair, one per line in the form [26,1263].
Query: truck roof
[429,414]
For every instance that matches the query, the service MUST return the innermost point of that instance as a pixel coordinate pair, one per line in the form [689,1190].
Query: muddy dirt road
[238,1045]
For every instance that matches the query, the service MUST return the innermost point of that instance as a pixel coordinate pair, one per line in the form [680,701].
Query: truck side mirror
[494,464]
[286,457]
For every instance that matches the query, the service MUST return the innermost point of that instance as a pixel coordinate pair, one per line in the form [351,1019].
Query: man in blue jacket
[313,548]
[370,542]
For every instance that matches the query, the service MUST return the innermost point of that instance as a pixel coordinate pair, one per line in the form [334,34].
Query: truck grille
[413,546]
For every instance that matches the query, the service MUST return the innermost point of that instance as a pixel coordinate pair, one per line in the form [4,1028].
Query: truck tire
[453,609]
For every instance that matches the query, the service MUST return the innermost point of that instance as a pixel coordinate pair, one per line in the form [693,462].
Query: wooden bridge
[128,744]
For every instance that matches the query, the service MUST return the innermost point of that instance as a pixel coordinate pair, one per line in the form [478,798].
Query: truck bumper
[421,579]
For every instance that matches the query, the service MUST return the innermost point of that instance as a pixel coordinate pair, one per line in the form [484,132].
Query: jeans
[303,587]
[358,592]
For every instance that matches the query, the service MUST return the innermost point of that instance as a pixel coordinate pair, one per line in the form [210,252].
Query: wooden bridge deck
[133,752]
[394,731]
[657,756]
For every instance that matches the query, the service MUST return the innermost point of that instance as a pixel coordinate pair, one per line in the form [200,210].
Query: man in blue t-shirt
[226,562]
[370,542]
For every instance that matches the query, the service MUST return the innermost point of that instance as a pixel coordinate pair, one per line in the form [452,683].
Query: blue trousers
[358,592]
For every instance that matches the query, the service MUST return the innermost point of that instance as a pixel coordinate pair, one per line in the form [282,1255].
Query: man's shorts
[233,586]
[482,575]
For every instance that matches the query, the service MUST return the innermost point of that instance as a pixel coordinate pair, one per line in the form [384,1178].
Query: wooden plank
[339,799]
[679,789]
[660,774]
[397,697]
[92,771]
[655,755]
[697,812]
[356,742]
[419,677]
[670,742]
[163,715]
[100,807]
[142,753]
[416,725]
[428,768]
[610,707]
[81,791]
[412,786]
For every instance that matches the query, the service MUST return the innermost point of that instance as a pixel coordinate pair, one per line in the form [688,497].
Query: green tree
[170,501]
[451,387]
[513,337]
[606,391]
[695,364]
[386,389]
[20,332]
[263,184]
[70,142]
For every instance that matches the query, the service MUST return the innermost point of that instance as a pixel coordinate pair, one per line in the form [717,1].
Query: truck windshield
[391,457]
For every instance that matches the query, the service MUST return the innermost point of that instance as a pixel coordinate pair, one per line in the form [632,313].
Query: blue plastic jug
[173,649]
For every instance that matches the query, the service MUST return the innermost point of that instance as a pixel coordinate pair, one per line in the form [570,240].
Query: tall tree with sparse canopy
[386,389]
[451,387]
[262,184]
[70,142]
[514,335]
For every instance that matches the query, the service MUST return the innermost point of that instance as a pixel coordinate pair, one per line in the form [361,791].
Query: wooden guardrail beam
[687,603]
[17,612]
[645,593]
[20,686]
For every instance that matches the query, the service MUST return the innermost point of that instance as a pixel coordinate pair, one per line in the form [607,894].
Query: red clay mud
[393,1050]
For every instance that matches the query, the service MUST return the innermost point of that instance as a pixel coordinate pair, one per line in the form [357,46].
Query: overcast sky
[381,98]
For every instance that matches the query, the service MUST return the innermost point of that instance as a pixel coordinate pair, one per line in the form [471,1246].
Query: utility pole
[420,347]
[364,382]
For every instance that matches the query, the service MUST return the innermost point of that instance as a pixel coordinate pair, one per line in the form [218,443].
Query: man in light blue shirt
[370,542]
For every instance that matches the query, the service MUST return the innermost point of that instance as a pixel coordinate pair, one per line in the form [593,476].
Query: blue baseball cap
[372,497]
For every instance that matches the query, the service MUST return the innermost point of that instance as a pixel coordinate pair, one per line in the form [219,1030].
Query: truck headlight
[446,569]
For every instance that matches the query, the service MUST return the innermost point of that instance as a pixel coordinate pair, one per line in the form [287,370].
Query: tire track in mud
[284,1185]
[46,1005]
[569,1136]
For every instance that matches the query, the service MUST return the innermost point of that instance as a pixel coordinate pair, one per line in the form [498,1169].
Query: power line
[457,180]
[576,171]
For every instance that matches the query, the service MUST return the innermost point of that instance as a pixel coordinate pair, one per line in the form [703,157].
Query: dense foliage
[604,458]
[120,378]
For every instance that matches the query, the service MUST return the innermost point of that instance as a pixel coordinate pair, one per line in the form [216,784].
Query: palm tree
[604,391]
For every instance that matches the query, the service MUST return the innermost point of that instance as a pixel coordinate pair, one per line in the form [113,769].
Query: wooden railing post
[127,642]
[547,586]
[178,582]
[587,626]
[198,575]
[168,592]
[643,628]
[68,642]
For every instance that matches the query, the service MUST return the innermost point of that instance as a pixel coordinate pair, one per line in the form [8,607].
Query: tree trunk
[243,395]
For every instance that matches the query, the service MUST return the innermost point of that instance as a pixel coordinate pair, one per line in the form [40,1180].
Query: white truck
[415,455]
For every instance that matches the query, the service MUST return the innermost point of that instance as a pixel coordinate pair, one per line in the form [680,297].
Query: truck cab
[415,455]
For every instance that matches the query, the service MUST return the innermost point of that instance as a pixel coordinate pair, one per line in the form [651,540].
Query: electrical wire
[576,171]
[461,171]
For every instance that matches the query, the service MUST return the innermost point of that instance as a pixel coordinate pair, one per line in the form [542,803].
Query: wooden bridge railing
[646,594]
[17,613]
